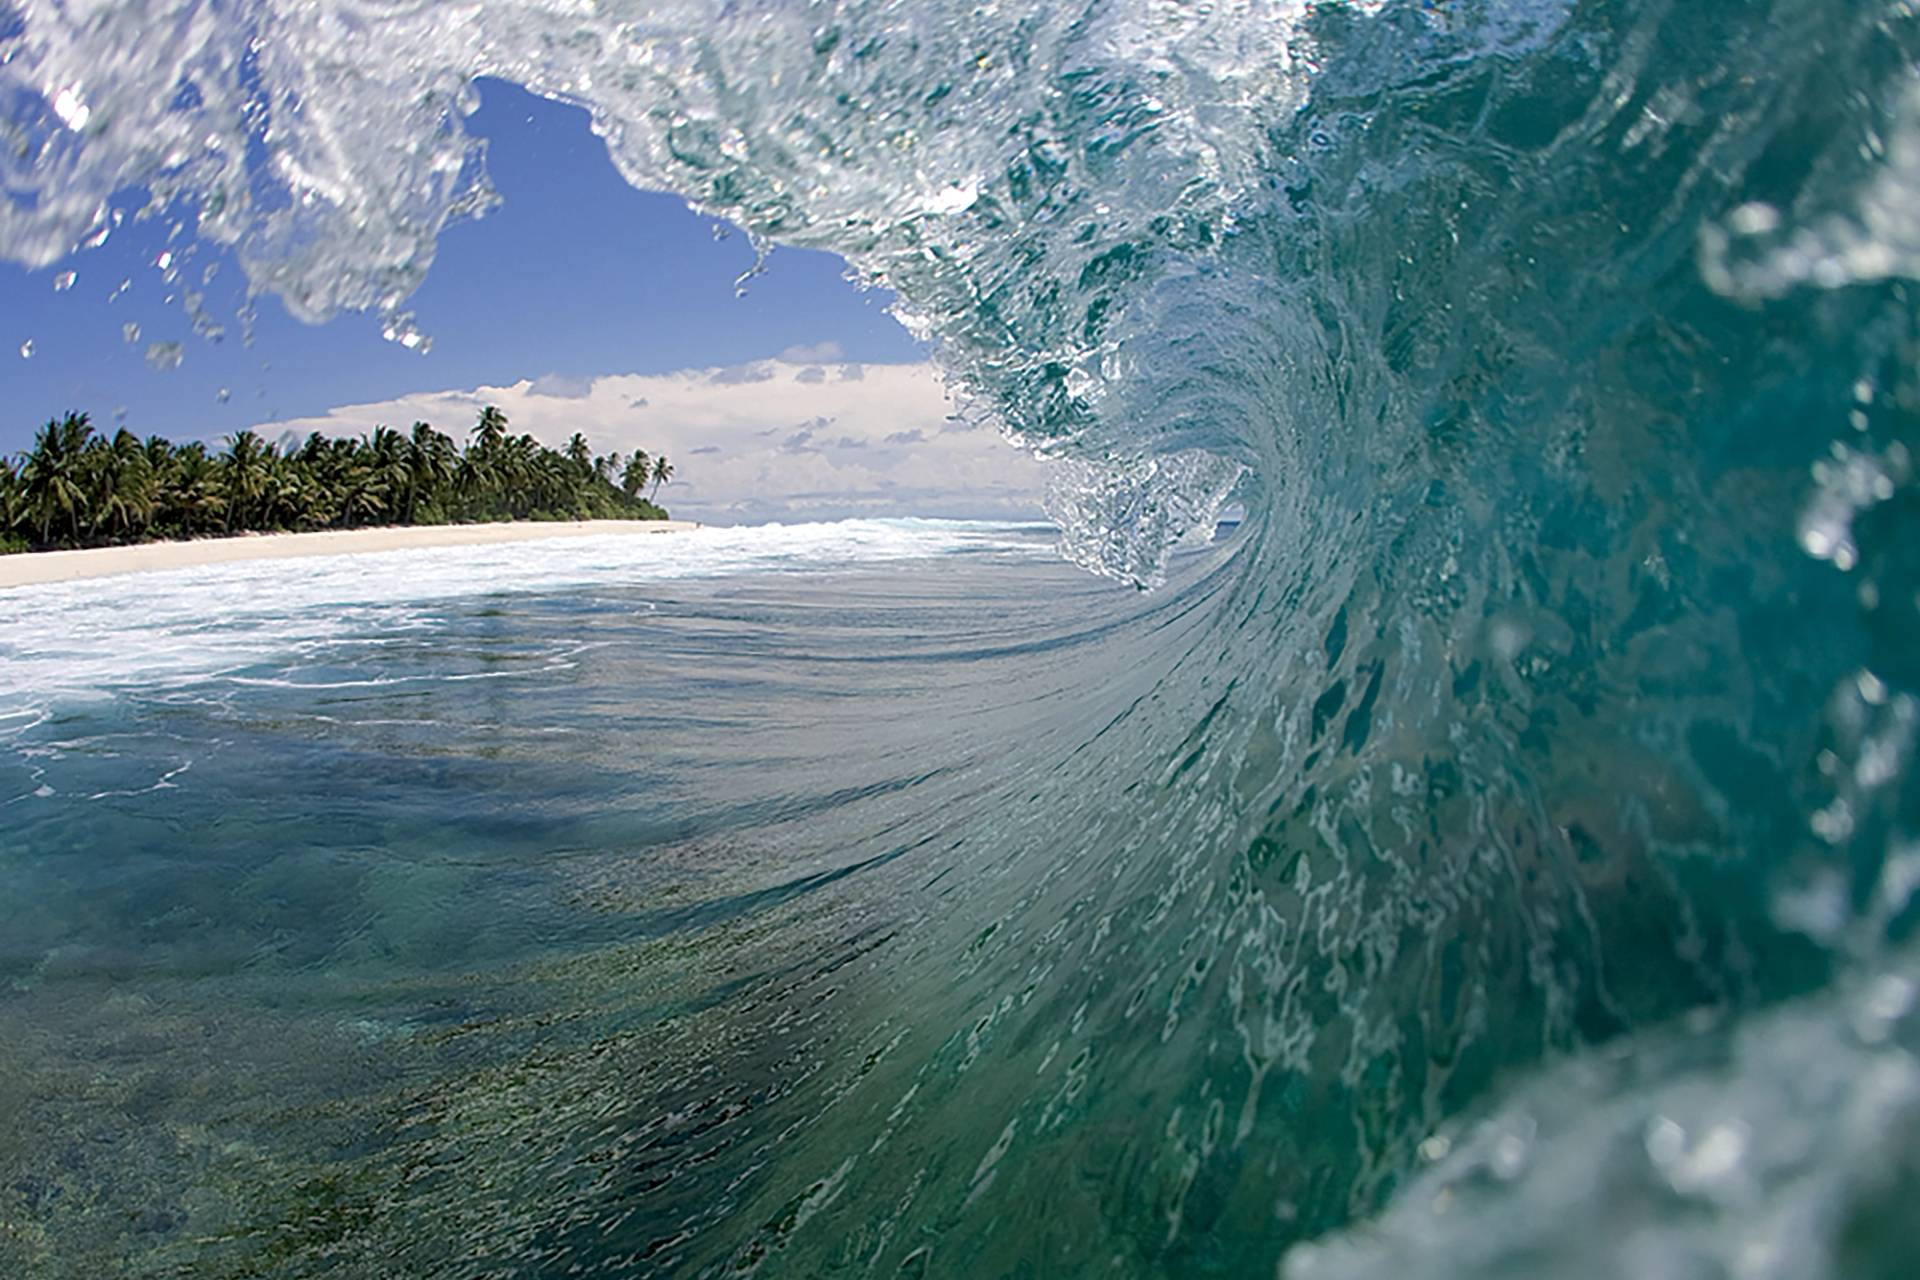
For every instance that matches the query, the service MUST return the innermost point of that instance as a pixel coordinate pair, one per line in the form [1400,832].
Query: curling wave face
[1560,692]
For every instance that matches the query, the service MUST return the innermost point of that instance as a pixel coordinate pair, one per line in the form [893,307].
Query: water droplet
[403,330]
[1817,906]
[223,395]
[1834,824]
[64,281]
[26,349]
[1666,1142]
[72,108]
[956,199]
[164,356]
[1713,1161]
[1509,1159]
[130,332]
[1887,1002]
[1754,219]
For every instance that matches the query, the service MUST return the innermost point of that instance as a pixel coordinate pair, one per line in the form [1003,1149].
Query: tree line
[77,487]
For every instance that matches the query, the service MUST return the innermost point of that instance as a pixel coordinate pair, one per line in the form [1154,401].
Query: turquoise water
[314,884]
[1496,859]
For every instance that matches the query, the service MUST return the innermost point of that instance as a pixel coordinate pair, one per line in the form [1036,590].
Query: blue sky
[575,275]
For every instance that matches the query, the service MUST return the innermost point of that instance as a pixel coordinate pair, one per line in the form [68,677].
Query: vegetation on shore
[78,488]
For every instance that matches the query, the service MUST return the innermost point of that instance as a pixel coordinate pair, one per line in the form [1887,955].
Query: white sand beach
[30,568]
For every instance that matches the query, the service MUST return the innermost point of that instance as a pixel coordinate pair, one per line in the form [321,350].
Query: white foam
[160,629]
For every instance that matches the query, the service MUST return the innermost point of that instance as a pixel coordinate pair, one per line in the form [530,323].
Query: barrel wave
[1495,859]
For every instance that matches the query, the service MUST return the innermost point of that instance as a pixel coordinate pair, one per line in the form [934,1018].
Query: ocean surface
[1497,858]
[502,910]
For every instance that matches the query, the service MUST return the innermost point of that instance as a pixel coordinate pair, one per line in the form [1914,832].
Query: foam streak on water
[150,629]
[1499,860]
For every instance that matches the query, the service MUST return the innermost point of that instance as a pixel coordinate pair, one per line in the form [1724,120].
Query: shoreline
[37,568]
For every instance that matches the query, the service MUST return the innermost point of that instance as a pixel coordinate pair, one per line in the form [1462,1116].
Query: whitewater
[1496,857]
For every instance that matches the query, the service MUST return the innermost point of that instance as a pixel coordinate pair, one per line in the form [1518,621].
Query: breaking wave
[1521,857]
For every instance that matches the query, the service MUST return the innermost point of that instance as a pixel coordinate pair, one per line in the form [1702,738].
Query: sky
[577,304]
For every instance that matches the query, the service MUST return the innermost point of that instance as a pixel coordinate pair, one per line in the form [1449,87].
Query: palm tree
[11,505]
[363,501]
[639,470]
[122,485]
[520,471]
[52,480]
[159,451]
[433,461]
[392,467]
[245,468]
[195,491]
[485,470]
[580,454]
[557,487]
[125,489]
[291,499]
[491,429]
[314,450]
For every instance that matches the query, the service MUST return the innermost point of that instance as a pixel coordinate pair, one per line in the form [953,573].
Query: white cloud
[562,388]
[767,440]
[815,353]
